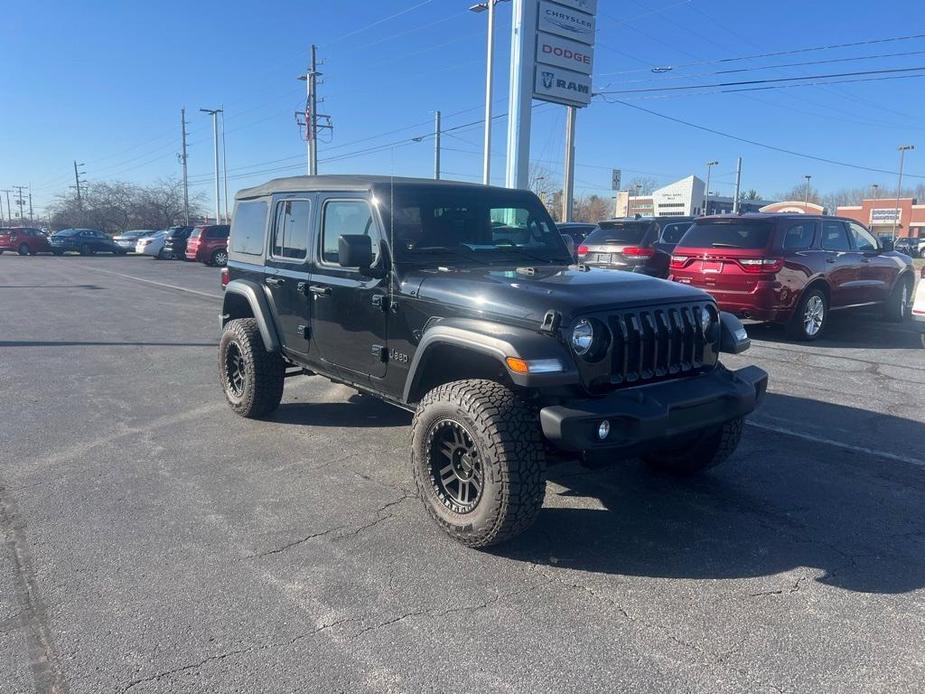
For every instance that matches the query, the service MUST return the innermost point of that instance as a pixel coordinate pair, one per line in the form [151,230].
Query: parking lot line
[837,444]
[157,284]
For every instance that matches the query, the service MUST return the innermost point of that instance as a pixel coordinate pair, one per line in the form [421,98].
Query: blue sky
[103,83]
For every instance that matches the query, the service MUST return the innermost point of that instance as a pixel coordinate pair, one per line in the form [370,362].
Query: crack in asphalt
[795,588]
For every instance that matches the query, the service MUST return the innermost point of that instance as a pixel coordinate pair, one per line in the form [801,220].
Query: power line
[763,145]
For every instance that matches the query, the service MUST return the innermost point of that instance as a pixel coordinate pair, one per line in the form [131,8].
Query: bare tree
[592,208]
[647,185]
[800,192]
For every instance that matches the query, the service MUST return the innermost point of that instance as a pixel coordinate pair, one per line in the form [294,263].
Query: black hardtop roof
[770,217]
[347,183]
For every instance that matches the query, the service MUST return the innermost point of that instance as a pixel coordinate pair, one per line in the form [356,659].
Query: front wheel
[478,461]
[898,306]
[811,316]
[23,250]
[708,450]
[251,377]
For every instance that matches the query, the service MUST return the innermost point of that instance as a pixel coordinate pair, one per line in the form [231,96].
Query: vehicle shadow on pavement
[357,411]
[100,343]
[848,329]
[779,504]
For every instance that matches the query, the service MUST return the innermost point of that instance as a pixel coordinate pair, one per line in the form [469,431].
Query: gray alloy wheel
[220,258]
[813,315]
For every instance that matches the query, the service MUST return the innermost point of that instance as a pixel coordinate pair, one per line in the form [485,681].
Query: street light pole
[218,200]
[706,200]
[899,188]
[806,194]
[488,5]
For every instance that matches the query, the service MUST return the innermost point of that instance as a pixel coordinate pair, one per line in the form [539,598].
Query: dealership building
[882,215]
[681,198]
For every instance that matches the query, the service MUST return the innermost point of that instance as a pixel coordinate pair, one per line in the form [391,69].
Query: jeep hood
[528,293]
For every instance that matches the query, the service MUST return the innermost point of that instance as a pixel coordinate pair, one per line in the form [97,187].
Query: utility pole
[437,128]
[489,79]
[77,182]
[218,201]
[876,187]
[9,209]
[706,201]
[224,166]
[312,117]
[735,202]
[1,212]
[568,182]
[30,205]
[183,161]
[899,188]
[19,190]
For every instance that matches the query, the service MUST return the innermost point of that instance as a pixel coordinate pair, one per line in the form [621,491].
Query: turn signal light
[224,277]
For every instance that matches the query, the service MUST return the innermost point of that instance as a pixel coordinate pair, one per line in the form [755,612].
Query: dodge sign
[561,52]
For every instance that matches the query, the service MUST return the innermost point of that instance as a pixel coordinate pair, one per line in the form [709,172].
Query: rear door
[876,273]
[348,308]
[287,269]
[843,262]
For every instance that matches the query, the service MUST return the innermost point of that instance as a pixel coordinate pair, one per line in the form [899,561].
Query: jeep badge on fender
[461,304]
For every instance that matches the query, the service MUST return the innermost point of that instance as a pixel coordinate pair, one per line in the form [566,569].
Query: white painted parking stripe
[156,284]
[836,444]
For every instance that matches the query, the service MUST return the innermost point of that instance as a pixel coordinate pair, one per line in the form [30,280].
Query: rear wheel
[478,461]
[23,250]
[251,377]
[809,320]
[708,450]
[219,258]
[899,306]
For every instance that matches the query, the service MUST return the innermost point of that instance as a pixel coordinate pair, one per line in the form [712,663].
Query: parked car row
[206,243]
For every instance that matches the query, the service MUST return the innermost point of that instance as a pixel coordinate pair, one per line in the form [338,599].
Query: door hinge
[381,353]
[302,287]
[305,331]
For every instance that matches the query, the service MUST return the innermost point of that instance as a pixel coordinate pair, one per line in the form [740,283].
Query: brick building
[881,214]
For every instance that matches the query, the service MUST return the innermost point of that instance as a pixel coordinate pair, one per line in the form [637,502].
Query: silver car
[129,239]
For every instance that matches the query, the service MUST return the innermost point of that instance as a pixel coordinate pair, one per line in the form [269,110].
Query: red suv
[24,240]
[792,269]
[209,244]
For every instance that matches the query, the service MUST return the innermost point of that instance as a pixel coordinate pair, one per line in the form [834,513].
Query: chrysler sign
[564,21]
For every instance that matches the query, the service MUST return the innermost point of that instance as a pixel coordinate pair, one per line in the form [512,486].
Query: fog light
[603,430]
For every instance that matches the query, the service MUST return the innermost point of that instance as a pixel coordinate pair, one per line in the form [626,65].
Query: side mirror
[887,245]
[355,250]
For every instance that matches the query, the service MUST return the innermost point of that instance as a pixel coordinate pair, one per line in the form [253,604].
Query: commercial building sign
[562,86]
[564,51]
[885,215]
[565,21]
[560,52]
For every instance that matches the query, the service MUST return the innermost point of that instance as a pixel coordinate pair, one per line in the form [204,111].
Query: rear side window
[672,233]
[736,234]
[220,232]
[290,232]
[197,232]
[835,237]
[632,233]
[863,239]
[799,237]
[248,227]
[344,217]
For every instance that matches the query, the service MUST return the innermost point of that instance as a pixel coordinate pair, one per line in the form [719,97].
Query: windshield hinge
[551,322]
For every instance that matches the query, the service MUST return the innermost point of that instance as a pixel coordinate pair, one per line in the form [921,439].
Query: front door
[287,271]
[843,264]
[348,307]
[876,273]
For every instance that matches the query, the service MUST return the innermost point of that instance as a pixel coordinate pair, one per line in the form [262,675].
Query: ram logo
[547,80]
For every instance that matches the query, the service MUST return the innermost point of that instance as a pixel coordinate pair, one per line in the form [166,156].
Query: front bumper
[645,418]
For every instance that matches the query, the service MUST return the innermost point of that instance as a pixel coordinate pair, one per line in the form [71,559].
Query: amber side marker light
[533,366]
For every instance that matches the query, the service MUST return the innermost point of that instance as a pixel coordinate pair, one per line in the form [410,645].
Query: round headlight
[706,320]
[582,337]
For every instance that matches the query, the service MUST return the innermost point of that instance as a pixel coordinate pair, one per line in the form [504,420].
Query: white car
[918,305]
[129,239]
[151,245]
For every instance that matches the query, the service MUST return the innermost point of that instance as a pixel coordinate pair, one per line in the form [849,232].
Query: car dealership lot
[157,542]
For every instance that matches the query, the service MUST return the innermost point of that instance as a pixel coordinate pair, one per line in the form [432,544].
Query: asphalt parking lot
[155,542]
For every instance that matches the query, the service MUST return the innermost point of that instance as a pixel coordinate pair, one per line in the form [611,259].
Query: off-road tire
[23,250]
[796,329]
[708,450]
[898,307]
[264,372]
[219,258]
[507,435]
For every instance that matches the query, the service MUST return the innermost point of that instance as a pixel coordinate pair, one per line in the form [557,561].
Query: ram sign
[562,86]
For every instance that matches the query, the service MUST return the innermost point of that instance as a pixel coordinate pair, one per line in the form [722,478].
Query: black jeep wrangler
[461,304]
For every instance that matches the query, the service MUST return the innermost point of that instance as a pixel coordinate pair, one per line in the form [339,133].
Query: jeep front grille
[658,343]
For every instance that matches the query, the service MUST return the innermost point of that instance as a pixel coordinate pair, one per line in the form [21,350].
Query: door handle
[830,259]
[275,281]
[318,290]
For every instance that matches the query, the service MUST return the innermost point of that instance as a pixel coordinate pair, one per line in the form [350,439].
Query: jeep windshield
[471,227]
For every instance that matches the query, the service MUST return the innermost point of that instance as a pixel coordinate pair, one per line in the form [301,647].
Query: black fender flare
[254,294]
[498,342]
